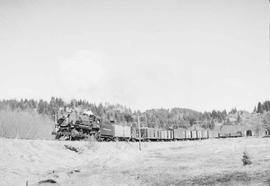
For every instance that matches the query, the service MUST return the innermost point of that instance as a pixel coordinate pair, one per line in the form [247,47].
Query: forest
[161,117]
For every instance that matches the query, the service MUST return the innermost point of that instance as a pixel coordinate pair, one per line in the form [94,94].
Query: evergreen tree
[255,109]
[238,118]
[259,108]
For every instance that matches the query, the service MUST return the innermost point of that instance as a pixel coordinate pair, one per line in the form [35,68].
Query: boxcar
[144,133]
[199,134]
[194,134]
[213,134]
[156,134]
[163,135]
[152,133]
[169,134]
[216,134]
[149,133]
[179,134]
[118,131]
[172,134]
[159,134]
[134,133]
[204,134]
[127,131]
[224,134]
[188,134]
[113,132]
[236,134]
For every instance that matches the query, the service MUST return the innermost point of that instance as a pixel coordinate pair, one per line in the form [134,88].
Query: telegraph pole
[139,127]
[269,39]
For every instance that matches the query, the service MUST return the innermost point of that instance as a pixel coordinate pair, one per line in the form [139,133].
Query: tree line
[262,107]
[163,118]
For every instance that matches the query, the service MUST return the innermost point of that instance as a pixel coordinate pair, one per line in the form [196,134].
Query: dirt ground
[205,162]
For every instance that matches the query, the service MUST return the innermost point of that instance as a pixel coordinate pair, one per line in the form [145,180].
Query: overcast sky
[203,55]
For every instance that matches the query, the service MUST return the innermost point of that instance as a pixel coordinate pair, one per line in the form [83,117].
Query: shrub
[246,159]
[25,125]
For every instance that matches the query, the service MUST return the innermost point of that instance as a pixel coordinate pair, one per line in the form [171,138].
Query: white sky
[203,55]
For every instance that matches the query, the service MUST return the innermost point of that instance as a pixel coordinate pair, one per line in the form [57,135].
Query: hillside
[243,121]
[161,117]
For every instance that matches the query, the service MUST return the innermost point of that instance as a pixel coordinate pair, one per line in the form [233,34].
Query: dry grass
[25,125]
[206,162]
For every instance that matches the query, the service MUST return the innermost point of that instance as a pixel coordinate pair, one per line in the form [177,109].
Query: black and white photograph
[134,92]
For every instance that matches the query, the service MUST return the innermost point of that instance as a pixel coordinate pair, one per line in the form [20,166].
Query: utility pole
[269,39]
[139,127]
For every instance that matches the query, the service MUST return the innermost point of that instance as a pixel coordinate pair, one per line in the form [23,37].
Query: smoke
[80,73]
[92,76]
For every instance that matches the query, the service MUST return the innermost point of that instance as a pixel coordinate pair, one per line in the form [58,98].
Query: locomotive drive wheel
[74,134]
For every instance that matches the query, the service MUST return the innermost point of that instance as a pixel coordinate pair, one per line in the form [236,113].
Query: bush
[246,159]
[25,125]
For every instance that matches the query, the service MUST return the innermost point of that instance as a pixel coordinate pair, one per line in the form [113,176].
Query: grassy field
[207,162]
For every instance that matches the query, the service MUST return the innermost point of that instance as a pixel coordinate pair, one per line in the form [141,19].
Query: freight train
[84,125]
